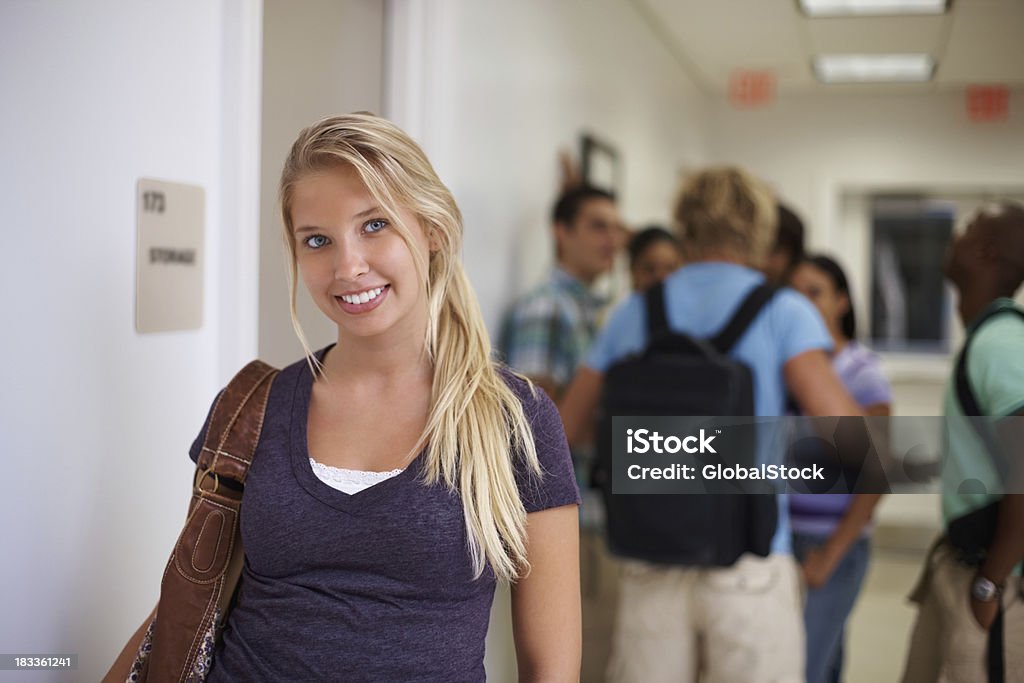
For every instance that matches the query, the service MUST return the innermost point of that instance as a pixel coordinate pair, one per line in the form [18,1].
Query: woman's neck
[395,357]
[839,340]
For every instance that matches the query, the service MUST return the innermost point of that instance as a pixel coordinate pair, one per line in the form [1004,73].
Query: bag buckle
[198,489]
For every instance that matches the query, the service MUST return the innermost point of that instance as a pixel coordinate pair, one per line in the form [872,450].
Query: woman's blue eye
[316,241]
[376,225]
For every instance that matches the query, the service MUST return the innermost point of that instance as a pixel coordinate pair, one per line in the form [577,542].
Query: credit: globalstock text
[651,441]
[728,472]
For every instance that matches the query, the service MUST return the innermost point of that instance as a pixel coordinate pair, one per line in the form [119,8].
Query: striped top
[860,370]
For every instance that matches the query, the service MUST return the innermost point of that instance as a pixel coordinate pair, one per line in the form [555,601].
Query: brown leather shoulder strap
[203,570]
[236,423]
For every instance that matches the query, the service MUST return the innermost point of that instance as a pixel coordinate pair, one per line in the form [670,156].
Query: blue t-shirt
[375,586]
[700,299]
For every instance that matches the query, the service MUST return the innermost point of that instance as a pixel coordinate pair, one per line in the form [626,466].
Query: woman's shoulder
[556,484]
[858,357]
[538,407]
[302,365]
[861,371]
[526,391]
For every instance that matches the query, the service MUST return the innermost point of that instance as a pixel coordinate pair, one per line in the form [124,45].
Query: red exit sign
[988,103]
[751,89]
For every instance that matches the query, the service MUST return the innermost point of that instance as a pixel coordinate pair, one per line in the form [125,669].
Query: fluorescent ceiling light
[837,8]
[909,68]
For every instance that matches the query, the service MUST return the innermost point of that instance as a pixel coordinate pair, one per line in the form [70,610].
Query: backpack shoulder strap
[964,394]
[968,401]
[236,422]
[745,314]
[657,318]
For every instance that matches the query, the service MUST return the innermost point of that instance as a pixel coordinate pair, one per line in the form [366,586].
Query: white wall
[320,58]
[95,418]
[814,147]
[497,88]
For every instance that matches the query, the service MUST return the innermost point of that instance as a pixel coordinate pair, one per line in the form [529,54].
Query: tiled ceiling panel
[977,41]
[725,35]
[986,43]
[877,34]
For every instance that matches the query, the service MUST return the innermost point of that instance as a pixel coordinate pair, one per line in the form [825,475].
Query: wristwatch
[985,590]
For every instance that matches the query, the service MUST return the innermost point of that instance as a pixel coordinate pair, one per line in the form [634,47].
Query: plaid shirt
[548,332]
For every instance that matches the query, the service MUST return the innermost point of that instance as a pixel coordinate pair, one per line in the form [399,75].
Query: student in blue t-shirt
[400,473]
[744,622]
[831,530]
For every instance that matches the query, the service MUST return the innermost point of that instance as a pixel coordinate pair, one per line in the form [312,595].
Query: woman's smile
[363,301]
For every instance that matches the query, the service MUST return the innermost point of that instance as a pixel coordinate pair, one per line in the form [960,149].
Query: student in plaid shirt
[547,332]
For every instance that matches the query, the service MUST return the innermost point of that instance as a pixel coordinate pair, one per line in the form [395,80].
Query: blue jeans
[828,607]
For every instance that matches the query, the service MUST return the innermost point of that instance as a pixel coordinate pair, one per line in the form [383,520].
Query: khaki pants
[730,625]
[948,645]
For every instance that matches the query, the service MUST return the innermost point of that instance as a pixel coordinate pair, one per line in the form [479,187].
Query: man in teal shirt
[959,599]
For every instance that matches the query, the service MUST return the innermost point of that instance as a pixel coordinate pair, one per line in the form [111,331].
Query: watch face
[983,590]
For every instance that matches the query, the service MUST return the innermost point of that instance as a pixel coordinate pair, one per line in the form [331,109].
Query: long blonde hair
[475,419]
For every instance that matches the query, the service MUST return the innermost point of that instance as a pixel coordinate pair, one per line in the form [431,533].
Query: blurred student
[788,249]
[654,254]
[742,622]
[547,332]
[831,530]
[970,622]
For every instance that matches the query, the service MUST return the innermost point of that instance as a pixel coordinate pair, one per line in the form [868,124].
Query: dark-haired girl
[831,531]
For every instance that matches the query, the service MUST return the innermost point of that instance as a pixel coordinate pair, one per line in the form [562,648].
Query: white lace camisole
[349,481]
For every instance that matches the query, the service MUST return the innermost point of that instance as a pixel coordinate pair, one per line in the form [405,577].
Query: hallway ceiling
[975,42]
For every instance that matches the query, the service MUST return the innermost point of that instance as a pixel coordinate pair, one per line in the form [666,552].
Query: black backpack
[680,375]
[973,533]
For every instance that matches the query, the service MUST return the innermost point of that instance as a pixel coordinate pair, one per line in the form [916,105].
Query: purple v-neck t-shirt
[375,586]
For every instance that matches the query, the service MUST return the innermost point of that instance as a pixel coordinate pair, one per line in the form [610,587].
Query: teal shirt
[995,370]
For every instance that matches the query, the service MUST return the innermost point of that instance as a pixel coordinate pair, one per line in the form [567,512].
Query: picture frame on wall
[600,164]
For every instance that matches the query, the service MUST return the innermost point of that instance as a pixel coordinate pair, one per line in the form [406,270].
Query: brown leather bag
[202,574]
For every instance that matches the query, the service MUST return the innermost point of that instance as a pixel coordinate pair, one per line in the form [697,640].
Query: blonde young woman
[400,472]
